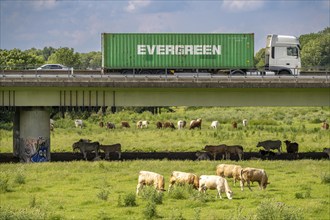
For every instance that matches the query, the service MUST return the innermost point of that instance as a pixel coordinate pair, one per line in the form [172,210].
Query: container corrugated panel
[176,50]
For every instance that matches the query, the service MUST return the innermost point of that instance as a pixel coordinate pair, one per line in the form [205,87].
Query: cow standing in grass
[249,174]
[271,145]
[230,171]
[183,178]
[215,182]
[235,149]
[107,149]
[216,149]
[147,178]
[86,146]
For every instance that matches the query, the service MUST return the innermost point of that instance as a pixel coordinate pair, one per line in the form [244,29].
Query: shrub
[150,210]
[151,194]
[325,178]
[20,178]
[130,200]
[103,194]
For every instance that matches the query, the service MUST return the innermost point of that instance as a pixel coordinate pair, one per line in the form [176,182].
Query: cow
[181,124]
[125,124]
[182,178]
[327,151]
[230,171]
[147,178]
[139,124]
[234,124]
[202,155]
[159,125]
[107,149]
[168,124]
[86,146]
[215,182]
[110,125]
[291,147]
[235,149]
[196,124]
[325,126]
[215,149]
[101,124]
[144,124]
[214,124]
[271,145]
[249,174]
[78,123]
[245,122]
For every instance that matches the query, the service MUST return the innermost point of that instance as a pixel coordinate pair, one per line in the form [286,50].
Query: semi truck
[168,53]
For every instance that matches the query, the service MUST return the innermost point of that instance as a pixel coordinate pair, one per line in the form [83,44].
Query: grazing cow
[107,149]
[230,171]
[144,124]
[271,145]
[86,146]
[327,151]
[234,124]
[215,182]
[181,124]
[235,149]
[215,149]
[196,124]
[325,126]
[101,124]
[159,125]
[266,153]
[150,178]
[182,178]
[291,147]
[125,124]
[214,124]
[245,122]
[202,155]
[78,123]
[139,124]
[254,175]
[110,125]
[168,124]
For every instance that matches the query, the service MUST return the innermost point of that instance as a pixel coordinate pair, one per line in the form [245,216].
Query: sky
[78,24]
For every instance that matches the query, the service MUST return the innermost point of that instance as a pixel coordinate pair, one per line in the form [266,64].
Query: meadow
[298,124]
[106,190]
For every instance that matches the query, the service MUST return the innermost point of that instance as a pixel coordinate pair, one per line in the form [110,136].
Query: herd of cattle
[204,182]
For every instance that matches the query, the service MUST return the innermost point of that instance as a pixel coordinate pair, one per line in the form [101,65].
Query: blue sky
[78,24]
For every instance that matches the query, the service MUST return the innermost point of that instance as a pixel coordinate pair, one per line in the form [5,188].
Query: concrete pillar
[33,133]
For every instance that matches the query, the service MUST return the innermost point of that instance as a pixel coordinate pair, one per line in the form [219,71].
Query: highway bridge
[31,93]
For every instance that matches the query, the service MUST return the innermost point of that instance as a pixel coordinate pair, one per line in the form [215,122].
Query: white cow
[245,122]
[181,124]
[215,182]
[182,178]
[78,123]
[214,124]
[147,178]
[145,124]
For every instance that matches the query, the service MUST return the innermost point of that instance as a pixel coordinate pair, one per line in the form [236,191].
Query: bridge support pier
[31,134]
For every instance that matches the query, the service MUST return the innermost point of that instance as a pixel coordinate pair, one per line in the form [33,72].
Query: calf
[196,124]
[215,149]
[291,147]
[147,178]
[182,178]
[125,124]
[254,175]
[270,145]
[107,149]
[215,182]
[214,124]
[230,171]
[78,123]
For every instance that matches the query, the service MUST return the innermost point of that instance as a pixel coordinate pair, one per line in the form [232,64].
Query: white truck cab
[282,55]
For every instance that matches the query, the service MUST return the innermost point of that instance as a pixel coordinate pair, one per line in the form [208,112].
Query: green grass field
[299,124]
[106,190]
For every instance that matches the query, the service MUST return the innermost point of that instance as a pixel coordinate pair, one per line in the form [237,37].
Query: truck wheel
[284,72]
[237,73]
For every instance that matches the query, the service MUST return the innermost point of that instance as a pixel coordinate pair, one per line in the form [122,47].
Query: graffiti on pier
[34,149]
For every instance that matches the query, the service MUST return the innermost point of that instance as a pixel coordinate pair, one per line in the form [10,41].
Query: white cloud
[43,4]
[136,5]
[242,5]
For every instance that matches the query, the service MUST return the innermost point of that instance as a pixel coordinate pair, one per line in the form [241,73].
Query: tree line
[315,52]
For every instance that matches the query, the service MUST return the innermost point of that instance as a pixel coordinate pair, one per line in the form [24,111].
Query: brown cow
[107,149]
[110,125]
[125,124]
[234,124]
[291,147]
[196,124]
[168,124]
[235,149]
[182,178]
[101,124]
[159,125]
[230,171]
[325,126]
[254,175]
[215,149]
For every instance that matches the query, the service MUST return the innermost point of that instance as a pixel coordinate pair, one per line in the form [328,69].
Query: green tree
[65,56]
[91,60]
[16,59]
[259,59]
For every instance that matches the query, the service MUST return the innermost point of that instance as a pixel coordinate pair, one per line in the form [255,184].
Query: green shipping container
[177,51]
